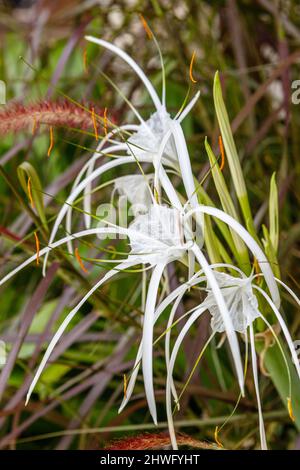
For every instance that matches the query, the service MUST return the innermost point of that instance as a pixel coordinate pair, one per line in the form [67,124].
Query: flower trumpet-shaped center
[240,300]
[136,188]
[157,236]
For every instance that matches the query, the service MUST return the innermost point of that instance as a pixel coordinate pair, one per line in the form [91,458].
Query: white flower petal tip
[251,244]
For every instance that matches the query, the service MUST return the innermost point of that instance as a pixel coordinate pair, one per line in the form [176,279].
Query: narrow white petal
[231,334]
[283,327]
[147,340]
[96,173]
[175,350]
[74,236]
[262,433]
[250,242]
[87,198]
[66,322]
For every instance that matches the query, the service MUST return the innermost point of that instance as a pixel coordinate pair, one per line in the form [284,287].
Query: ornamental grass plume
[18,117]
[163,231]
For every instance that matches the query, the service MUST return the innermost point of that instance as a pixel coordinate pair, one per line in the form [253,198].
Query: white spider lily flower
[153,141]
[158,127]
[136,189]
[165,181]
[151,243]
[241,302]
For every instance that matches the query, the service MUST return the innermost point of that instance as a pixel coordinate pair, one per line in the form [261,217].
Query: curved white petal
[179,291]
[283,327]
[250,242]
[262,432]
[96,173]
[116,50]
[66,322]
[74,236]
[231,334]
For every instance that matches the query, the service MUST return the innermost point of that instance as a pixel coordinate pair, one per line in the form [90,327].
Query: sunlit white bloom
[151,141]
[164,228]
[239,295]
[136,189]
[241,302]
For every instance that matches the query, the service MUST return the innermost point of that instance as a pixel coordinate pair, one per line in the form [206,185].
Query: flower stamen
[146,27]
[51,141]
[77,255]
[216,436]
[222,153]
[37,244]
[191,68]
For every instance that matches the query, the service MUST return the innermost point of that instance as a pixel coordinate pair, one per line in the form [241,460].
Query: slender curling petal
[262,432]
[175,350]
[74,236]
[283,327]
[183,114]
